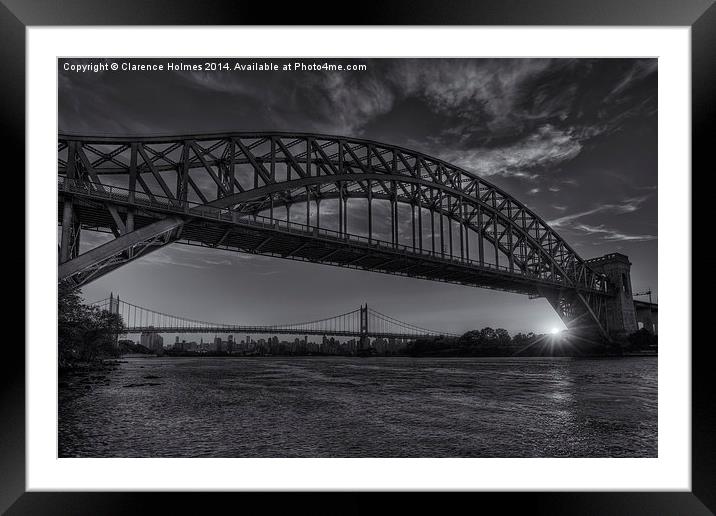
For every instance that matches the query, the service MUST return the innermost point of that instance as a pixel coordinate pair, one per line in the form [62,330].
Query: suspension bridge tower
[113,303]
[363,344]
[114,309]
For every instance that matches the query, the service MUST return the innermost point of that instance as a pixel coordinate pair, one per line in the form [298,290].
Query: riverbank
[189,354]
[75,378]
[640,354]
[102,364]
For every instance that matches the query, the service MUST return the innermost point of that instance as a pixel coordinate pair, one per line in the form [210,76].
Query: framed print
[384,256]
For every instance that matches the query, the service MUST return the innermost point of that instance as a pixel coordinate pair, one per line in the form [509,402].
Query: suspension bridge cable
[344,323]
[403,324]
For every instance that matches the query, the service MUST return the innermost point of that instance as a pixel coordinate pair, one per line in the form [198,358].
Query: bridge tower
[363,339]
[620,316]
[114,309]
[113,303]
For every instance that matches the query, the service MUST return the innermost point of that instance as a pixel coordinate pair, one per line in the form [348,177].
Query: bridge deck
[265,330]
[222,229]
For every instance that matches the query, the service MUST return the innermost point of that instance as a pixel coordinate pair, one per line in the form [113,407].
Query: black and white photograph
[357,257]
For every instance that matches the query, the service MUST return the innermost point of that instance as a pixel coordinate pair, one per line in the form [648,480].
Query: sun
[554,331]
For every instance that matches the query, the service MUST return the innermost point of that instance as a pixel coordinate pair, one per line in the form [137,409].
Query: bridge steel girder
[352,195]
[578,311]
[254,172]
[123,249]
[206,227]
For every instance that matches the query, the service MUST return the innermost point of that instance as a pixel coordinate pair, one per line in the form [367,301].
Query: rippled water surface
[362,407]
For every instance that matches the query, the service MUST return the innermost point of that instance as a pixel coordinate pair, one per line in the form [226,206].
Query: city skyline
[249,343]
[573,139]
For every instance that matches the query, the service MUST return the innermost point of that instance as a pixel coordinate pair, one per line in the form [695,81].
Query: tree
[488,337]
[470,338]
[503,337]
[84,333]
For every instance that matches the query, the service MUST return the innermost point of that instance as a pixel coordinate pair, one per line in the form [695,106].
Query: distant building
[152,341]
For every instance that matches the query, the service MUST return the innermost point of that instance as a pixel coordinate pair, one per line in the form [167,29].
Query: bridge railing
[192,208]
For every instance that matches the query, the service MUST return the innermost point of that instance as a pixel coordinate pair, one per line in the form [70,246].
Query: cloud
[626,206]
[219,262]
[490,89]
[340,103]
[613,234]
[509,117]
[607,233]
[352,103]
[640,69]
[163,258]
[483,95]
[546,147]
[197,257]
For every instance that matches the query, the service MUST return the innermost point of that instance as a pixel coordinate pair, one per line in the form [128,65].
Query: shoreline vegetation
[86,335]
[88,343]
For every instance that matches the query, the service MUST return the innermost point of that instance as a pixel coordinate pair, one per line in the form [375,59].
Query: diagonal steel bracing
[124,249]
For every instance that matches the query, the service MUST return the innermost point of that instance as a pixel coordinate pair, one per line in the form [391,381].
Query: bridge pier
[582,320]
[620,316]
[70,235]
[647,316]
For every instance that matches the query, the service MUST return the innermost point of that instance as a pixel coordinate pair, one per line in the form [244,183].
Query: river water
[362,407]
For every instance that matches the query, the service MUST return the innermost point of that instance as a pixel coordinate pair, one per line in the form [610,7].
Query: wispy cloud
[626,206]
[199,257]
[639,70]
[469,88]
[165,257]
[573,222]
[546,147]
[613,234]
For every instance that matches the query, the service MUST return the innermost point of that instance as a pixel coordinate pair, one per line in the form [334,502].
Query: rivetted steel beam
[261,192]
[107,257]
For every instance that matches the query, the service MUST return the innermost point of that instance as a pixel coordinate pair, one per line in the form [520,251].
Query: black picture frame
[17,15]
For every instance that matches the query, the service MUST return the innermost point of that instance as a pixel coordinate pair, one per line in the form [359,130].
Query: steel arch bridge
[294,195]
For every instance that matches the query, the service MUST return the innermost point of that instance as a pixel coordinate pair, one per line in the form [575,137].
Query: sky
[573,139]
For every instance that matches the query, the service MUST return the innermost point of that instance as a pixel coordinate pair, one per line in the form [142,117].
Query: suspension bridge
[362,322]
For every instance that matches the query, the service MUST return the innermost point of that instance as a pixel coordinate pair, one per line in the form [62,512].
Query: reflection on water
[363,407]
